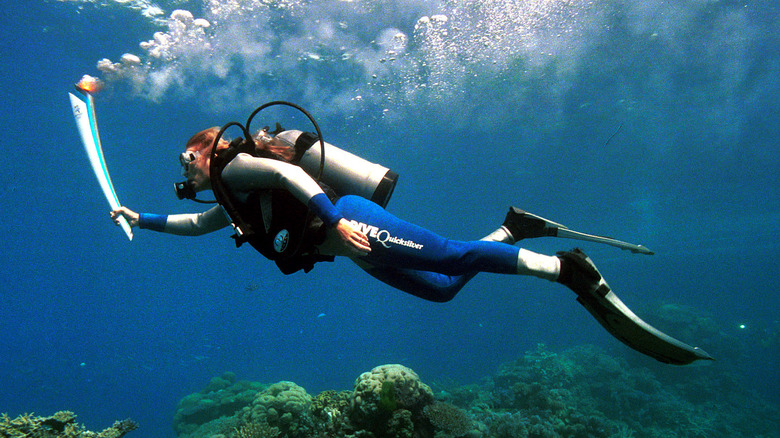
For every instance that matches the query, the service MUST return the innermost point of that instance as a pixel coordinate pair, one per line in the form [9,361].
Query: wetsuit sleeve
[246,173]
[193,224]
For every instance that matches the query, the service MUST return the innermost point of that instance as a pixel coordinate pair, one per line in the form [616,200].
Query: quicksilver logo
[383,236]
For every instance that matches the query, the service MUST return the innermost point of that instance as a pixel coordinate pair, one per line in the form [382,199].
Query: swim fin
[594,294]
[524,225]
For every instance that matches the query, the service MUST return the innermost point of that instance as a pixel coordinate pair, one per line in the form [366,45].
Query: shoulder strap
[244,230]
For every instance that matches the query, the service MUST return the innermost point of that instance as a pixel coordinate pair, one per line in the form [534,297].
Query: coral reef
[61,424]
[583,392]
[579,392]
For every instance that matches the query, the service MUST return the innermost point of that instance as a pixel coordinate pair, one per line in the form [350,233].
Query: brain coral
[387,388]
[284,405]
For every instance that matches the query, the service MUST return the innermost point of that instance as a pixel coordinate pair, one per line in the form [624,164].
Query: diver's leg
[501,234]
[399,244]
[409,246]
[510,232]
[427,285]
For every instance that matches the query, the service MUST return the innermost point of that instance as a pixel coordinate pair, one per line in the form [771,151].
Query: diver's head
[196,158]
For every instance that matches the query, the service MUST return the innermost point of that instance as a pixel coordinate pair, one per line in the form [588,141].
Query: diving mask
[186,158]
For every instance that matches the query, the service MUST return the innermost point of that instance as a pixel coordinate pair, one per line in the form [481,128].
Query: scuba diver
[299,204]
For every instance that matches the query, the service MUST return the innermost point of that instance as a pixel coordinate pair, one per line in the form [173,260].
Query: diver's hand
[130,215]
[354,239]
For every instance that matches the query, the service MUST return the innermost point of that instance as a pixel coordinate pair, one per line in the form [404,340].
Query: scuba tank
[345,172]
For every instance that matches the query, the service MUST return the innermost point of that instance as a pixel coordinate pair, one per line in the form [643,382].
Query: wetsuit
[403,255]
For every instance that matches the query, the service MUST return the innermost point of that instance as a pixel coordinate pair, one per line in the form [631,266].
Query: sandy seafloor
[654,122]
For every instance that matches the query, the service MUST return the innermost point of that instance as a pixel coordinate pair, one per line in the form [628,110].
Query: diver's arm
[246,173]
[193,224]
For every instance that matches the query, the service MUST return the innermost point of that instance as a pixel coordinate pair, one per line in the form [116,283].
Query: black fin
[597,297]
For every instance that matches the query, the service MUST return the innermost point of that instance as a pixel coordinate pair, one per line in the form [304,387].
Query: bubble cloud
[389,57]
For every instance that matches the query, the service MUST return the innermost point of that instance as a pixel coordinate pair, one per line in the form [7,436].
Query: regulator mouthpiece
[184,190]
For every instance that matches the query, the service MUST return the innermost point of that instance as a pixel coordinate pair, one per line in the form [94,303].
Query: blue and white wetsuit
[403,255]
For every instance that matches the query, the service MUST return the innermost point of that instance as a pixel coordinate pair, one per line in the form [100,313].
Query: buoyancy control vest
[272,221]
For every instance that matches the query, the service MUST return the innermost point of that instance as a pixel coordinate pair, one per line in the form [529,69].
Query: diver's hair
[204,140]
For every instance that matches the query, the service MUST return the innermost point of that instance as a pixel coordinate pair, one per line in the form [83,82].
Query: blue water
[477,105]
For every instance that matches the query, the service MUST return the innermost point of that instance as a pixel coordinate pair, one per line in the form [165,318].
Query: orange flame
[90,84]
